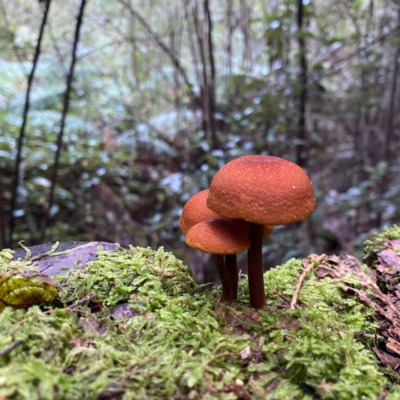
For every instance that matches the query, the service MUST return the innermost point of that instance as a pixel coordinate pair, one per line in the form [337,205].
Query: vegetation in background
[376,243]
[135,324]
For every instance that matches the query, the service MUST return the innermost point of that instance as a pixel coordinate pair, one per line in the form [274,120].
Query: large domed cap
[217,236]
[262,189]
[195,211]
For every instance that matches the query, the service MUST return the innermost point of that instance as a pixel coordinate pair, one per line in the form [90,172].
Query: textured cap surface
[217,236]
[262,189]
[195,211]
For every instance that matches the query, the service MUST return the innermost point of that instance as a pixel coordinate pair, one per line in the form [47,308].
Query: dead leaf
[245,353]
[395,332]
[393,243]
[387,359]
[389,258]
[323,271]
[123,310]
[393,345]
[385,305]
[362,296]
[80,343]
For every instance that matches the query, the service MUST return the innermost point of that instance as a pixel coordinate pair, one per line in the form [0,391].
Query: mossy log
[134,324]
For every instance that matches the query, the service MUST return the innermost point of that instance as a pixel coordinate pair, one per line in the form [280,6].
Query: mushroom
[220,237]
[264,191]
[196,211]
[231,259]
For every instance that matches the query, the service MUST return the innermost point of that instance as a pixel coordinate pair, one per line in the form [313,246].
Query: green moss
[376,242]
[178,344]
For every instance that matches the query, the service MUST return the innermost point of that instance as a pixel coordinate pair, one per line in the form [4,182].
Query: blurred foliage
[135,148]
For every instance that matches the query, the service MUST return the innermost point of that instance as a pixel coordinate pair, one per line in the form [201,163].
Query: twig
[225,354]
[302,277]
[26,248]
[218,299]
[301,148]
[315,77]
[212,76]
[348,57]
[63,117]
[144,363]
[281,296]
[21,137]
[82,301]
[170,53]
[11,347]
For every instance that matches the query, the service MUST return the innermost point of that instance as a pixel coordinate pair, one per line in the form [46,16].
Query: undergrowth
[135,325]
[376,242]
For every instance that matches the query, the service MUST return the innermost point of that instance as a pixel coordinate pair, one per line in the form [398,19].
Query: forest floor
[134,324]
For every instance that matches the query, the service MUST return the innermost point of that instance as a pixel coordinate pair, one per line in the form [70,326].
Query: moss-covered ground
[135,325]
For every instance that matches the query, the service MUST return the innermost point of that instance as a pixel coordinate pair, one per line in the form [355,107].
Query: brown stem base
[224,276]
[255,269]
[232,267]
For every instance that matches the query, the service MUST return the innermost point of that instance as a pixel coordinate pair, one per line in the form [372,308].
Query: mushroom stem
[232,267]
[224,276]
[255,269]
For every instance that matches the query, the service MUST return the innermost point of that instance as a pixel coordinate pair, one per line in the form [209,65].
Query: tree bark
[389,139]
[301,145]
[67,94]
[21,137]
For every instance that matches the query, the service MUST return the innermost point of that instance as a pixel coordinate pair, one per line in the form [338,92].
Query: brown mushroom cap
[267,231]
[217,236]
[195,211]
[262,189]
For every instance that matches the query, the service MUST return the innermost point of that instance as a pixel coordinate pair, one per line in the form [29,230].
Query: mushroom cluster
[246,198]
[207,231]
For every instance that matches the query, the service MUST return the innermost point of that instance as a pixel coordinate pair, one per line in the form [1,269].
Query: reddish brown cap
[267,231]
[263,189]
[195,211]
[217,236]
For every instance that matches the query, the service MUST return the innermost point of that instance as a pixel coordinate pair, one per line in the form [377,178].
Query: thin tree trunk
[206,84]
[389,139]
[21,137]
[212,75]
[172,56]
[229,34]
[67,94]
[301,146]
[389,152]
[192,46]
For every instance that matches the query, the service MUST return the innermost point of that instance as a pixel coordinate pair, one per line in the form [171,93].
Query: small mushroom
[196,211]
[264,191]
[219,237]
